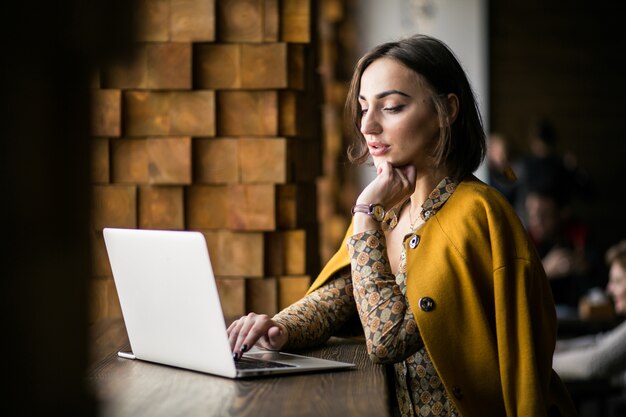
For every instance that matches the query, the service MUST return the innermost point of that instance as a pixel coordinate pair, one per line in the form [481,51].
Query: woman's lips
[377,148]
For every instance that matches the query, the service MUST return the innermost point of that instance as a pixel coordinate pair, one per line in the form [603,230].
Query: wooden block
[153,66]
[252,207]
[288,118]
[193,113]
[169,160]
[296,205]
[297,66]
[262,296]
[192,20]
[161,208]
[129,161]
[129,73]
[217,66]
[247,113]
[114,206]
[271,20]
[333,133]
[332,11]
[240,20]
[106,113]
[299,116]
[291,289]
[295,18]
[100,167]
[264,65]
[147,113]
[235,254]
[100,266]
[153,20]
[104,302]
[188,113]
[168,66]
[216,161]
[306,159]
[263,160]
[286,253]
[233,297]
[206,207]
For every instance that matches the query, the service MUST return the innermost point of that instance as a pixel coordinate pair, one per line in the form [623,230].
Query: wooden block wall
[337,187]
[214,125]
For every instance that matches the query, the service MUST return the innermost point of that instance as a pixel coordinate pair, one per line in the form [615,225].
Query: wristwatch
[376,211]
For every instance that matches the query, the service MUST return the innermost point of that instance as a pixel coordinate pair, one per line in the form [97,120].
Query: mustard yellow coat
[492,331]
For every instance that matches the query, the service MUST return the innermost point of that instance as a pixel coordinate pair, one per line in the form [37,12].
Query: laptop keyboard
[251,363]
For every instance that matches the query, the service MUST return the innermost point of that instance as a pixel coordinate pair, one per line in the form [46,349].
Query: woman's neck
[424,185]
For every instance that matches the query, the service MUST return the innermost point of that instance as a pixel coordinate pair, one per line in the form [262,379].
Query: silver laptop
[172,310]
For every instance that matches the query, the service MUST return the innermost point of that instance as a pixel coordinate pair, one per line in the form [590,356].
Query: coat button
[415,240]
[456,391]
[427,304]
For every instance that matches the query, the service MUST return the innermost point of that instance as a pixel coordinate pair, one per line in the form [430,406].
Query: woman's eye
[363,112]
[394,109]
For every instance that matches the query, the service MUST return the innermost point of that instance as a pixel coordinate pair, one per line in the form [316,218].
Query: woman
[436,264]
[602,355]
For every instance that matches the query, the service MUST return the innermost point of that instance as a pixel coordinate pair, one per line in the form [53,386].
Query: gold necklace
[413,224]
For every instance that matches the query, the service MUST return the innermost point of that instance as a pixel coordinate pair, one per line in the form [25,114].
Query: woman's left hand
[391,186]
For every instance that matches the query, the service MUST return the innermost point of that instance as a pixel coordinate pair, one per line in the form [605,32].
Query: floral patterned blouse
[379,298]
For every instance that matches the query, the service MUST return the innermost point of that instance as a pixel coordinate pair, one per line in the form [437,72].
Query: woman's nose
[369,124]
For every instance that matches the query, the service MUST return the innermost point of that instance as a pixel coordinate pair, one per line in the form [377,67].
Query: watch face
[378,212]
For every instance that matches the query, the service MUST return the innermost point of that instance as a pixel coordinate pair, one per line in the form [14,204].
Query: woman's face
[398,121]
[617,287]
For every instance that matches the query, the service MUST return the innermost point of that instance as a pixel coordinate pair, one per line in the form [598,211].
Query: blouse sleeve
[322,313]
[605,357]
[390,329]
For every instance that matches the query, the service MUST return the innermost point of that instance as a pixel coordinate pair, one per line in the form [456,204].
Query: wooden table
[135,388]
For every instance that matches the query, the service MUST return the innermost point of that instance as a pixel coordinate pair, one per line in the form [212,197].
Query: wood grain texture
[216,161]
[240,20]
[104,302]
[263,160]
[247,113]
[163,65]
[138,389]
[206,207]
[181,113]
[100,161]
[114,206]
[286,253]
[262,296]
[235,254]
[106,113]
[295,17]
[251,207]
[169,160]
[161,207]
[232,296]
[100,266]
[153,20]
[129,160]
[217,66]
[192,20]
[264,66]
[291,289]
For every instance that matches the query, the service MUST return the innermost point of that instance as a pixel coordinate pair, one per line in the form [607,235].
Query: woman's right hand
[255,328]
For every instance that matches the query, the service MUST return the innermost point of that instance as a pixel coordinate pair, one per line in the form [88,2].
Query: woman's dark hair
[461,147]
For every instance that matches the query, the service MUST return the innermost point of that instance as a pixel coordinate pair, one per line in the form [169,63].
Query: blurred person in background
[600,355]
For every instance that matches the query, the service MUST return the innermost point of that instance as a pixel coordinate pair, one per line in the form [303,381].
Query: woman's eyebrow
[386,93]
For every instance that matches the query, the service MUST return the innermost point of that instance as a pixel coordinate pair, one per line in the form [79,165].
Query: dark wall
[49,52]
[566,60]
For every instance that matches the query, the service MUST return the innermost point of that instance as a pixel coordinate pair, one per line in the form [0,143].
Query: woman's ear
[453,107]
